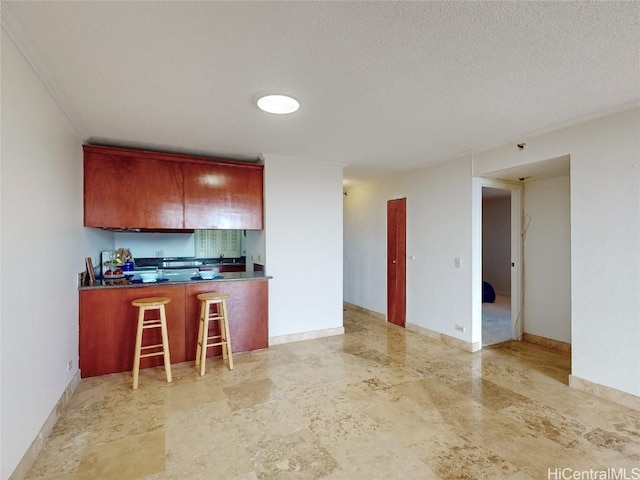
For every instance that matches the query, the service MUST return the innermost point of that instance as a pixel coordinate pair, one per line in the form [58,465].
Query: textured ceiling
[383,86]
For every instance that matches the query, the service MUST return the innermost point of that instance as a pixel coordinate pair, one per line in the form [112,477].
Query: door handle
[393,261]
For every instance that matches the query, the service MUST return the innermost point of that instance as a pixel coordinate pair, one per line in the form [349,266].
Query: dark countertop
[127,283]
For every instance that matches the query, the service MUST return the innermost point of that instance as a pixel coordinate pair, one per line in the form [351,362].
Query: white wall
[547,259]
[303,244]
[496,243]
[365,252]
[438,231]
[41,232]
[605,240]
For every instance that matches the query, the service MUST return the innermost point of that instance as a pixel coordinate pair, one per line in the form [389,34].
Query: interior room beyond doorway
[496,266]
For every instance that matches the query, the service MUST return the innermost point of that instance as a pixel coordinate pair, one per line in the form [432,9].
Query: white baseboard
[371,313]
[298,337]
[449,340]
[32,452]
[547,342]
[608,393]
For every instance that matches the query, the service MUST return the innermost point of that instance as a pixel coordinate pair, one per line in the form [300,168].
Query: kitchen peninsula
[108,320]
[169,193]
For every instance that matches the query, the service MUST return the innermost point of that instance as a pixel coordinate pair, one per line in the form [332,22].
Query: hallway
[379,402]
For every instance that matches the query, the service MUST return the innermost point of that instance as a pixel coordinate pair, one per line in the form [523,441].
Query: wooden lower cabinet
[232,267]
[108,323]
[247,310]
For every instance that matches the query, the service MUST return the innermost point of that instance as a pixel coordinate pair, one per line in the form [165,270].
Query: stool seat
[212,296]
[213,308]
[150,301]
[144,305]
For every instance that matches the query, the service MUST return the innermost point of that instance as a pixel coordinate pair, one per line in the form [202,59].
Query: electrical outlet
[460,328]
[69,365]
[159,253]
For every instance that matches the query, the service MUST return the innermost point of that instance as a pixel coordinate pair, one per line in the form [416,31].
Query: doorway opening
[510,315]
[497,324]
[541,240]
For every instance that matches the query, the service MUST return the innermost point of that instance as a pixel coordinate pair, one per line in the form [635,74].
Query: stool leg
[199,341]
[165,343]
[137,351]
[227,336]
[204,337]
[223,334]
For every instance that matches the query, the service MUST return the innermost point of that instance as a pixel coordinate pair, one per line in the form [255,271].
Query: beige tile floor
[379,402]
[496,321]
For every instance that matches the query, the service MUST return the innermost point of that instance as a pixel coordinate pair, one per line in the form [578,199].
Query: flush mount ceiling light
[278,104]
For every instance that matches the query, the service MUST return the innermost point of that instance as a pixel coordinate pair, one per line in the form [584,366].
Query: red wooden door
[396,260]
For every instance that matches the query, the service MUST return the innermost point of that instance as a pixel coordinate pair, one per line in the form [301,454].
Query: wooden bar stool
[146,305]
[213,308]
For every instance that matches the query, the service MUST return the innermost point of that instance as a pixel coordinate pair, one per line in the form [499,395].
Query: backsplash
[201,244]
[157,244]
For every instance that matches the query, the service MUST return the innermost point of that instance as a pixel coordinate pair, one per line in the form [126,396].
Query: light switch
[456,262]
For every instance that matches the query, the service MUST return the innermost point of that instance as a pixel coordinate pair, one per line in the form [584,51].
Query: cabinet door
[108,328]
[231,267]
[247,308]
[130,192]
[223,196]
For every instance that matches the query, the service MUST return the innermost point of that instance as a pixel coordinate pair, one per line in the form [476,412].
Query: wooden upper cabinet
[223,196]
[122,191]
[126,188]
